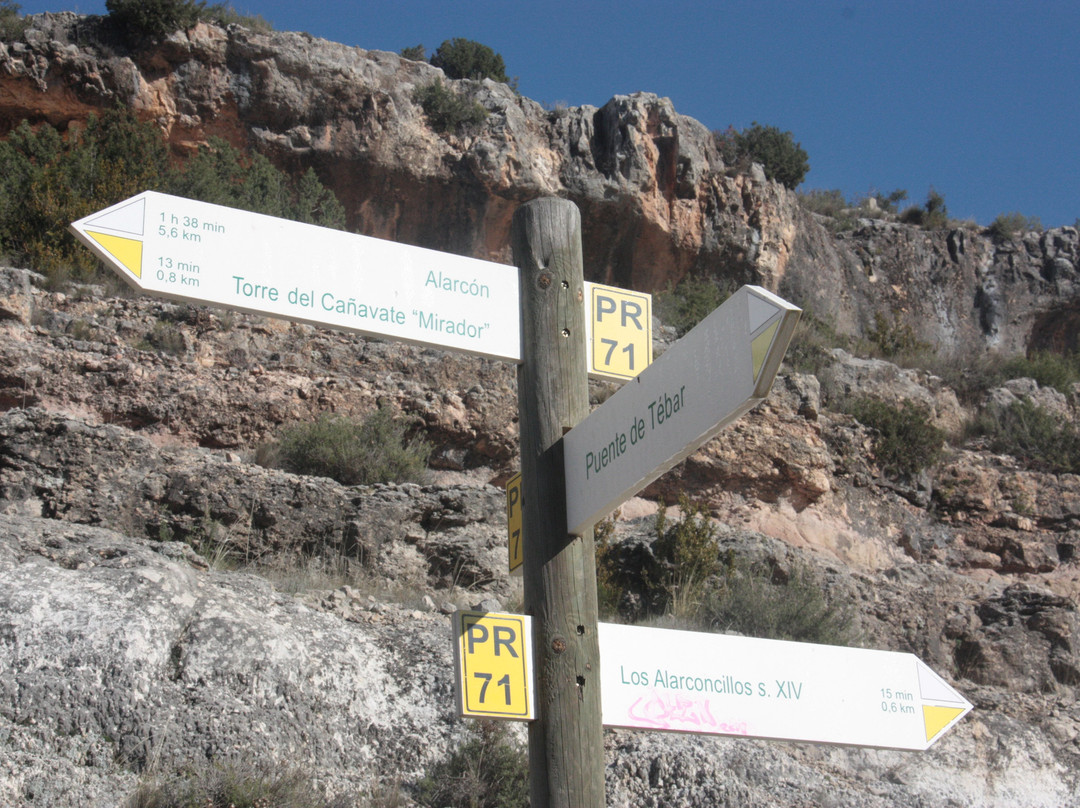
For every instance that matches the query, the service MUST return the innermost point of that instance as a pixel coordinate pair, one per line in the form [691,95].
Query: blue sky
[980,100]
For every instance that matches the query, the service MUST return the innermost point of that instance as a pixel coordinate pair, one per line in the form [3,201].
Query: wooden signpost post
[566,748]
[545,667]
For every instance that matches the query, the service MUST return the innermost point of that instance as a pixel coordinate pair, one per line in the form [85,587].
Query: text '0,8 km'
[197,252]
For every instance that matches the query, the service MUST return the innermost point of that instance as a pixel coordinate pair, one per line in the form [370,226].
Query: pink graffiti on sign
[677,712]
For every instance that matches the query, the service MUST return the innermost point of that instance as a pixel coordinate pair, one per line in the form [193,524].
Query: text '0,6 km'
[194,251]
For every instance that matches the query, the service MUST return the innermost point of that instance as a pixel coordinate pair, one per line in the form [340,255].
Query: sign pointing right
[719,684]
[706,380]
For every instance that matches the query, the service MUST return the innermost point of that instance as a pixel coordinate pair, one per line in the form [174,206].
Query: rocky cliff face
[657,201]
[118,641]
[124,653]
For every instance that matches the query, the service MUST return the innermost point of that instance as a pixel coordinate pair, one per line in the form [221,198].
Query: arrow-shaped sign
[194,251]
[719,684]
[706,380]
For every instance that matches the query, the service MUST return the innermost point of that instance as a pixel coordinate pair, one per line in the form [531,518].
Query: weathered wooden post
[566,750]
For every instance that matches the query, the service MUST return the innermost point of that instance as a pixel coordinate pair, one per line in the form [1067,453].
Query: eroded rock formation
[657,200]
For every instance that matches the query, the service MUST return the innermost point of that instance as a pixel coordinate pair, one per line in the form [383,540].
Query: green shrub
[933,215]
[894,339]
[222,175]
[824,203]
[1048,369]
[974,376]
[489,771]
[905,442]
[670,579]
[812,343]
[689,557]
[231,786]
[153,19]
[1009,225]
[913,215]
[692,300]
[889,202]
[374,450]
[446,109]
[1032,435]
[465,59]
[783,159]
[608,586]
[48,181]
[12,24]
[166,338]
[224,14]
[759,602]
[937,214]
[414,53]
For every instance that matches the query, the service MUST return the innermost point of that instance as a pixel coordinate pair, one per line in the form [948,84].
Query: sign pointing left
[197,252]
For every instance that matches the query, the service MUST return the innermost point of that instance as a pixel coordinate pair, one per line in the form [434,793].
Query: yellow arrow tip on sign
[127,251]
[760,347]
[937,718]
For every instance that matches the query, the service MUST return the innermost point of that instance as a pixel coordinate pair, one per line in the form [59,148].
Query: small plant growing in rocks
[489,771]
[373,450]
[905,442]
[446,109]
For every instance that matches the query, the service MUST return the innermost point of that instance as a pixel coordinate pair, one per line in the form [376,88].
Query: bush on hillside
[690,301]
[48,180]
[824,203]
[224,14]
[12,24]
[933,215]
[152,19]
[889,202]
[758,601]
[465,59]
[904,442]
[446,109]
[689,556]
[489,771]
[1009,225]
[1031,434]
[895,339]
[230,785]
[783,159]
[373,450]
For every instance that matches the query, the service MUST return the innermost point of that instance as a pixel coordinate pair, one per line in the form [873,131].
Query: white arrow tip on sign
[126,219]
[949,706]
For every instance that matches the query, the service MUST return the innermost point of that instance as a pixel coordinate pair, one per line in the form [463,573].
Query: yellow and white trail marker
[618,331]
[194,251]
[514,522]
[718,684]
[493,665]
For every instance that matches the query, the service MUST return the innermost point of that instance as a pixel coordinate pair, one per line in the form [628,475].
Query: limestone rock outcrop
[657,200]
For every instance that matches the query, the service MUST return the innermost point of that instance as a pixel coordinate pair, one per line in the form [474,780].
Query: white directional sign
[710,377]
[719,684]
[194,251]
